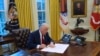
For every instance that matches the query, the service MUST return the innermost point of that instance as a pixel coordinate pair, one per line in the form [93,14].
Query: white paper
[59,48]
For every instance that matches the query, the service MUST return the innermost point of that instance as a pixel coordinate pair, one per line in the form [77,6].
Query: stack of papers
[59,48]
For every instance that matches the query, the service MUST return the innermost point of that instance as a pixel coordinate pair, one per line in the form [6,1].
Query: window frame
[35,14]
[6,13]
[41,11]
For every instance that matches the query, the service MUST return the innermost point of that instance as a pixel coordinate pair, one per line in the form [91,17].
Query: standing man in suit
[40,38]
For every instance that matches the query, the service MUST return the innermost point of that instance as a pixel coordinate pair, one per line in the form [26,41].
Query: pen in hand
[52,45]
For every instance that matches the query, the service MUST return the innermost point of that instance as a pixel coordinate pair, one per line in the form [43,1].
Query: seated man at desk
[40,38]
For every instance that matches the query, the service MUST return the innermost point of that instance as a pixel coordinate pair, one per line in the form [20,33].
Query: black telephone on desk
[66,38]
[80,40]
[77,40]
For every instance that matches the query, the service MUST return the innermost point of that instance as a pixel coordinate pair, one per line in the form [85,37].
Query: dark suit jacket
[78,11]
[34,39]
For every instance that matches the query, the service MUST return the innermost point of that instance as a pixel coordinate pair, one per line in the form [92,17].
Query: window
[2,17]
[41,11]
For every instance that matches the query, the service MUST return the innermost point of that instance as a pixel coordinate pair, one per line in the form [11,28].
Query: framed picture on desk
[78,8]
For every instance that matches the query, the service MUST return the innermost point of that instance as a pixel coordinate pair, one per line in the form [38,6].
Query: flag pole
[95,35]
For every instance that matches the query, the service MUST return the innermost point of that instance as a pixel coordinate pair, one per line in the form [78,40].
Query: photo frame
[78,8]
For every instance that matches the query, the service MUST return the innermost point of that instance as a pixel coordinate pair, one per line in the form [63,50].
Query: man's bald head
[44,28]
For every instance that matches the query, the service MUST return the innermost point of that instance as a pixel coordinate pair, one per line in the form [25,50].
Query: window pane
[43,0]
[40,22]
[39,5]
[1,4]
[2,17]
[43,6]
[2,30]
[40,16]
[39,0]
[43,15]
[2,23]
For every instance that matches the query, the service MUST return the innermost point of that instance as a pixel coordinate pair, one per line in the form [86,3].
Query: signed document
[59,48]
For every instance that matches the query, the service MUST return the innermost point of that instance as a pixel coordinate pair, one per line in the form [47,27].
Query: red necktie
[43,42]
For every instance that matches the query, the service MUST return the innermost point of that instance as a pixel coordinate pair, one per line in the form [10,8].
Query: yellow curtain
[24,13]
[54,19]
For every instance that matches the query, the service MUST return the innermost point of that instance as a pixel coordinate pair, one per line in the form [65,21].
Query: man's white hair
[44,25]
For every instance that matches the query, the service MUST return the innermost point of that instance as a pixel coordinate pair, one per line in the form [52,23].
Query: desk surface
[90,49]
[7,40]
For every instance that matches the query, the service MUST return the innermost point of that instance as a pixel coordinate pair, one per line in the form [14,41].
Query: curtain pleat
[24,9]
[54,19]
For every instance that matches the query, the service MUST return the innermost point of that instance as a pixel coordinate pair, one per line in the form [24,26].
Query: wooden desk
[7,40]
[90,49]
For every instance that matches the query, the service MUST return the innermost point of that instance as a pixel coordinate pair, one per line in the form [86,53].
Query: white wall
[90,35]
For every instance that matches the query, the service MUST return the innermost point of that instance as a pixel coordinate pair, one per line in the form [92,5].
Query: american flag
[63,13]
[95,16]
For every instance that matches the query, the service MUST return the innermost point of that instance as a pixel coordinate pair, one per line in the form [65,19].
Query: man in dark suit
[40,38]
